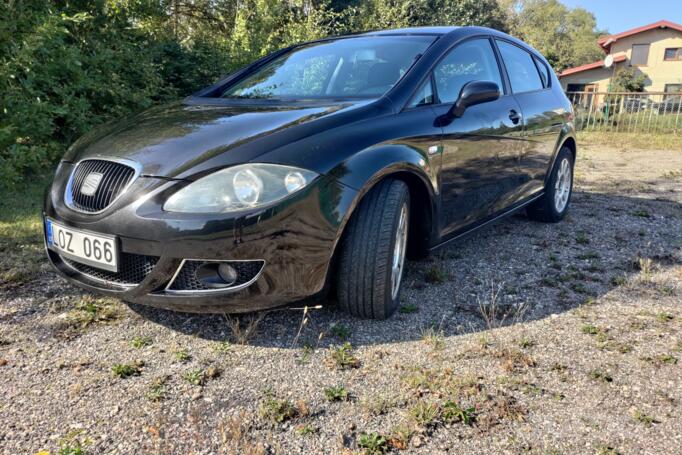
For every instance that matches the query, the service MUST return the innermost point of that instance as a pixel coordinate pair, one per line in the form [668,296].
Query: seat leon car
[314,171]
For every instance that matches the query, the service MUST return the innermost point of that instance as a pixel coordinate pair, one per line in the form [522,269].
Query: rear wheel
[373,252]
[553,205]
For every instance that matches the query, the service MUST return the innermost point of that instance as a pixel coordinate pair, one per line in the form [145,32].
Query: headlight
[238,188]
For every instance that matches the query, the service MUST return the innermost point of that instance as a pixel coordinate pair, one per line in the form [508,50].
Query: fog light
[227,273]
[216,275]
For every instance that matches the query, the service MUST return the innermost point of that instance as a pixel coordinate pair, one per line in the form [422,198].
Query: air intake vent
[95,184]
[133,268]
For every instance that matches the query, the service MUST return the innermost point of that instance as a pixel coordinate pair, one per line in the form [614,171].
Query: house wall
[658,71]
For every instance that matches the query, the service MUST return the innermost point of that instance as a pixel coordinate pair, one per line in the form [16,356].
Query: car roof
[438,30]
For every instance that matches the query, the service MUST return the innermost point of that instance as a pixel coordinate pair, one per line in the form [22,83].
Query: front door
[480,158]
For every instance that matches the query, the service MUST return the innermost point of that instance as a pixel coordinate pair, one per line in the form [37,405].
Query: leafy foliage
[66,66]
[565,36]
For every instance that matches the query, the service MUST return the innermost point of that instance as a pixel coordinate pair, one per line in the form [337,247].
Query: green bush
[68,65]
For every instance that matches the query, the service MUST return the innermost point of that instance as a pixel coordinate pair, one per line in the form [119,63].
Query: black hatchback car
[316,168]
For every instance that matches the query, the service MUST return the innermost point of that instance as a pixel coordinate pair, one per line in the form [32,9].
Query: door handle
[514,116]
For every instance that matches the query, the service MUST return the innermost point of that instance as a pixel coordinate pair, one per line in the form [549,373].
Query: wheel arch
[415,174]
[566,139]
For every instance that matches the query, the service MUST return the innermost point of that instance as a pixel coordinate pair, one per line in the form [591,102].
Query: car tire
[553,205]
[376,234]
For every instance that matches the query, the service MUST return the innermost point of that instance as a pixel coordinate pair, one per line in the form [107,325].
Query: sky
[620,15]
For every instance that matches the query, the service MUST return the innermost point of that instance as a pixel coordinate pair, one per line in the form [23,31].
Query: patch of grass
[400,436]
[342,357]
[223,347]
[641,417]
[306,353]
[337,393]
[90,310]
[514,360]
[276,410]
[525,343]
[340,331]
[21,233]
[195,377]
[664,317]
[453,412]
[434,338]
[409,308]
[68,449]
[629,141]
[373,443]
[549,282]
[606,450]
[125,370]
[582,239]
[378,405]
[641,213]
[244,328]
[140,342]
[588,255]
[601,376]
[424,414]
[306,429]
[157,390]
[590,329]
[182,355]
[579,288]
[434,274]
[667,358]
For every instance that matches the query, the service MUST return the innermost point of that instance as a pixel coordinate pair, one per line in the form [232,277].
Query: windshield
[363,67]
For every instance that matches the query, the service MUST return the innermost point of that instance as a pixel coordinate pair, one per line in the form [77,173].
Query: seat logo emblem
[91,183]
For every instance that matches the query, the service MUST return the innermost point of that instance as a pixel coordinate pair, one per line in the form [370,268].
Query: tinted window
[523,74]
[350,67]
[424,95]
[473,60]
[544,71]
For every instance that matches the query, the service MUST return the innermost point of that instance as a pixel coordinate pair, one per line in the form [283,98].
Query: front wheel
[553,205]
[373,252]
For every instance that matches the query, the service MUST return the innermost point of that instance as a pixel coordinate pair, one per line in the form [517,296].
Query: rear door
[543,113]
[480,168]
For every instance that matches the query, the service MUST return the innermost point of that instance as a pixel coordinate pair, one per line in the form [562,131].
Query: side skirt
[501,215]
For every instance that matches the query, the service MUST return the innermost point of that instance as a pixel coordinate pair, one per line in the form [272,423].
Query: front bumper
[293,240]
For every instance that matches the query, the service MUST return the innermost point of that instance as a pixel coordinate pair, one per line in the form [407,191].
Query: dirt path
[588,358]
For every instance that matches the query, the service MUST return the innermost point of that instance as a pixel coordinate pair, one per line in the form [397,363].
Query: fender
[567,132]
[365,169]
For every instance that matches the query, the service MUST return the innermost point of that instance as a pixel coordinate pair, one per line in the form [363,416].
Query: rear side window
[473,60]
[523,74]
[544,71]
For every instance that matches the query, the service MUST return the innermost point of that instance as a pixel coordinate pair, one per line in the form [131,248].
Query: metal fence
[628,112]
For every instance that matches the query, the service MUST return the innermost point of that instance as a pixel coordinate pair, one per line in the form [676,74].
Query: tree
[626,80]
[566,37]
[379,14]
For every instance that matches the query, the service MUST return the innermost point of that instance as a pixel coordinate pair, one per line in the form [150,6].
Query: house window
[674,89]
[640,55]
[673,54]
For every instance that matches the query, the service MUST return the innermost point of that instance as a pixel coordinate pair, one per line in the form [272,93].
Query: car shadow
[519,269]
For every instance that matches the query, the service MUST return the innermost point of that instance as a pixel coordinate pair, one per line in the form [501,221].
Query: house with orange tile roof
[654,50]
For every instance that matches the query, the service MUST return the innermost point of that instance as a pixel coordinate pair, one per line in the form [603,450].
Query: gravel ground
[525,337]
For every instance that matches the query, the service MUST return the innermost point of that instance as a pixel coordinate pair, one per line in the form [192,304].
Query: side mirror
[474,92]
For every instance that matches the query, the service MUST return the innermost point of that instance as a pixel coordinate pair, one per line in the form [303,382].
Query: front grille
[115,177]
[132,269]
[186,280]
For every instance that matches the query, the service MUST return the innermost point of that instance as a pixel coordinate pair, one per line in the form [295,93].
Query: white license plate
[96,250]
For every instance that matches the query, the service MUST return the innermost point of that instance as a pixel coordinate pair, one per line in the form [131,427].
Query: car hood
[182,140]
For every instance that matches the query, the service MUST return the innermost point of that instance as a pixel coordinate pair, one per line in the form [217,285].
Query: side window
[424,95]
[473,60]
[523,74]
[544,71]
